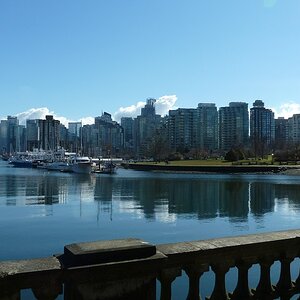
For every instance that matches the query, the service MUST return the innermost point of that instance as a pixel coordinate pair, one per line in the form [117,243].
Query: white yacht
[80,164]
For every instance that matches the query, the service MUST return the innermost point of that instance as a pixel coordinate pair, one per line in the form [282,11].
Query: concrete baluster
[265,289]
[194,273]
[297,283]
[48,291]
[166,277]
[242,290]
[285,285]
[219,292]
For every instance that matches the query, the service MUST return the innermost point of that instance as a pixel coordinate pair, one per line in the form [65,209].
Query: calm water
[42,211]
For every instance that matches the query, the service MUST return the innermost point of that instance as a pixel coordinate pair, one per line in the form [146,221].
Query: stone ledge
[28,266]
[99,252]
[246,247]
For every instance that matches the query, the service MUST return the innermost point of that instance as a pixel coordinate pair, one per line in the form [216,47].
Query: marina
[62,161]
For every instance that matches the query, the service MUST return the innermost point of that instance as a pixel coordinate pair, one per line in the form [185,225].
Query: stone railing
[129,269]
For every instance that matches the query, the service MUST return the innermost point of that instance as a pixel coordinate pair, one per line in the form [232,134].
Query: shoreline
[233,169]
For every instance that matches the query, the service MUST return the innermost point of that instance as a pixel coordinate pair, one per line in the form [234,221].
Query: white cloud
[33,113]
[165,103]
[287,110]
[162,106]
[87,120]
[129,111]
[42,112]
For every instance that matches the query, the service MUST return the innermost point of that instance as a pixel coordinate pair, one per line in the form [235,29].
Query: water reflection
[165,198]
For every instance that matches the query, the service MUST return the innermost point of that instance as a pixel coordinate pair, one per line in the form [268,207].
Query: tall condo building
[233,125]
[145,127]
[262,127]
[74,137]
[182,129]
[294,129]
[12,135]
[104,138]
[127,125]
[3,136]
[43,134]
[63,136]
[33,134]
[207,127]
[281,133]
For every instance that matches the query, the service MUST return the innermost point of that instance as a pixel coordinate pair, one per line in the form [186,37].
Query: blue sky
[79,58]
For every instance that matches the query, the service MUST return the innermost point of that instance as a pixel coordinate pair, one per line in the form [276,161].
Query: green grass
[212,162]
[209,162]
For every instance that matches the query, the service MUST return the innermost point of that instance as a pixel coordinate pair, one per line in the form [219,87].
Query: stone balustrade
[130,268]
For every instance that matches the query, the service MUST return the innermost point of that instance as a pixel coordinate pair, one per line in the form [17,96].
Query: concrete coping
[28,266]
[98,252]
[254,243]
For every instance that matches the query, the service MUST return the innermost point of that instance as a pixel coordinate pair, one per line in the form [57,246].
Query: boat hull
[81,168]
[22,164]
[58,166]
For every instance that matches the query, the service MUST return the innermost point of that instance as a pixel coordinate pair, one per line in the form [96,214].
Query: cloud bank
[162,106]
[33,113]
[42,112]
[287,110]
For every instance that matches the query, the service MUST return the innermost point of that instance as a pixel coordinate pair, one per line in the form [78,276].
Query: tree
[158,149]
[234,155]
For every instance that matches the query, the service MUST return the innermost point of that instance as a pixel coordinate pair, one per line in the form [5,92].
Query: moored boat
[80,164]
[108,167]
[61,166]
[19,162]
[28,159]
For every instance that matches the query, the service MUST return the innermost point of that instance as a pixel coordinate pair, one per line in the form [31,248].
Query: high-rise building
[104,138]
[127,124]
[63,136]
[33,134]
[12,136]
[207,127]
[281,133]
[43,134]
[294,129]
[149,109]
[233,125]
[3,136]
[182,129]
[74,137]
[262,128]
[145,127]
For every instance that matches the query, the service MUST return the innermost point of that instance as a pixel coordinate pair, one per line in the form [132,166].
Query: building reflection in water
[262,198]
[162,198]
[35,190]
[233,200]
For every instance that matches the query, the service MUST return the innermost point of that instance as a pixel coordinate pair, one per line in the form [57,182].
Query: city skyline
[77,59]
[162,105]
[194,130]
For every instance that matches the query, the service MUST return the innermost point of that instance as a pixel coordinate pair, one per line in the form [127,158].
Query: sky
[77,59]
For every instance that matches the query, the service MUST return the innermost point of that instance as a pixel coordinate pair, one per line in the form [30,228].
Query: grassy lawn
[212,162]
[208,162]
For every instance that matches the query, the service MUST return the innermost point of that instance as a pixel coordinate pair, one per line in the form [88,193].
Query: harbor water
[41,211]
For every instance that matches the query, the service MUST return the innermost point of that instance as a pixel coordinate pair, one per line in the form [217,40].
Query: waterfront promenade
[129,268]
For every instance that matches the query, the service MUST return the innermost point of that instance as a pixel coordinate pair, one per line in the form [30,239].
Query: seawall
[209,168]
